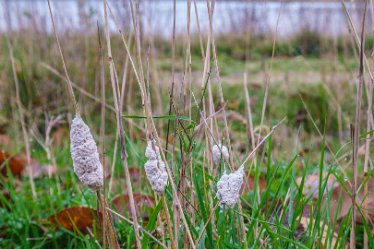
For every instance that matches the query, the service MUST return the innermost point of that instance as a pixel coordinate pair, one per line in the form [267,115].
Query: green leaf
[151,224]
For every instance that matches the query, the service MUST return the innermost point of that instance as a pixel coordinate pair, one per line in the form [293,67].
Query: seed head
[217,154]
[228,187]
[84,153]
[155,168]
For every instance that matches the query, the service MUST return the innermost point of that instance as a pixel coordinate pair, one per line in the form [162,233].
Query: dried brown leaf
[331,243]
[346,201]
[249,183]
[75,218]
[311,184]
[340,197]
[16,165]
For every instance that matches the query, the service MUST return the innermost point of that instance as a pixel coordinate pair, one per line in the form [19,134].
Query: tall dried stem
[22,119]
[356,132]
[116,98]
[368,128]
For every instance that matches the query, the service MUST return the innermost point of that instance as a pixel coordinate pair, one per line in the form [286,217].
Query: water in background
[157,16]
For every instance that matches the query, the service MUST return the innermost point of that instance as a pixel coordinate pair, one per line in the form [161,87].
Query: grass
[312,85]
[281,195]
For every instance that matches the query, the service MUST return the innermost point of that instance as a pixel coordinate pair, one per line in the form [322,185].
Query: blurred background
[230,17]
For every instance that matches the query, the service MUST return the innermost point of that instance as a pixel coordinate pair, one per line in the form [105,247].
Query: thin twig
[68,81]
[172,78]
[22,119]
[262,141]
[206,224]
[268,74]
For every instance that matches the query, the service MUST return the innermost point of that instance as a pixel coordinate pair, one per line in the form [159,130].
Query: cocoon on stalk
[155,168]
[84,153]
[216,151]
[228,187]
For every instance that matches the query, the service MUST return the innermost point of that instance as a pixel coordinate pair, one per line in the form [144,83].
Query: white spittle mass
[228,187]
[152,152]
[219,151]
[155,168]
[85,156]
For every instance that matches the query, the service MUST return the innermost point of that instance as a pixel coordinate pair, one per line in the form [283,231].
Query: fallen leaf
[249,183]
[74,218]
[332,242]
[339,195]
[300,232]
[311,184]
[34,167]
[122,203]
[22,157]
[16,165]
[346,201]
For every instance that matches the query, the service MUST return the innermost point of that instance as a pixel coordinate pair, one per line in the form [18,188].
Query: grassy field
[290,112]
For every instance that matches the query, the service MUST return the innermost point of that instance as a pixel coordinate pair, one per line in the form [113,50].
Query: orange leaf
[74,218]
[249,183]
[16,166]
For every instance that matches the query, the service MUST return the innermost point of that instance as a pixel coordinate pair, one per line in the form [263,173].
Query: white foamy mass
[85,156]
[155,168]
[216,153]
[228,187]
